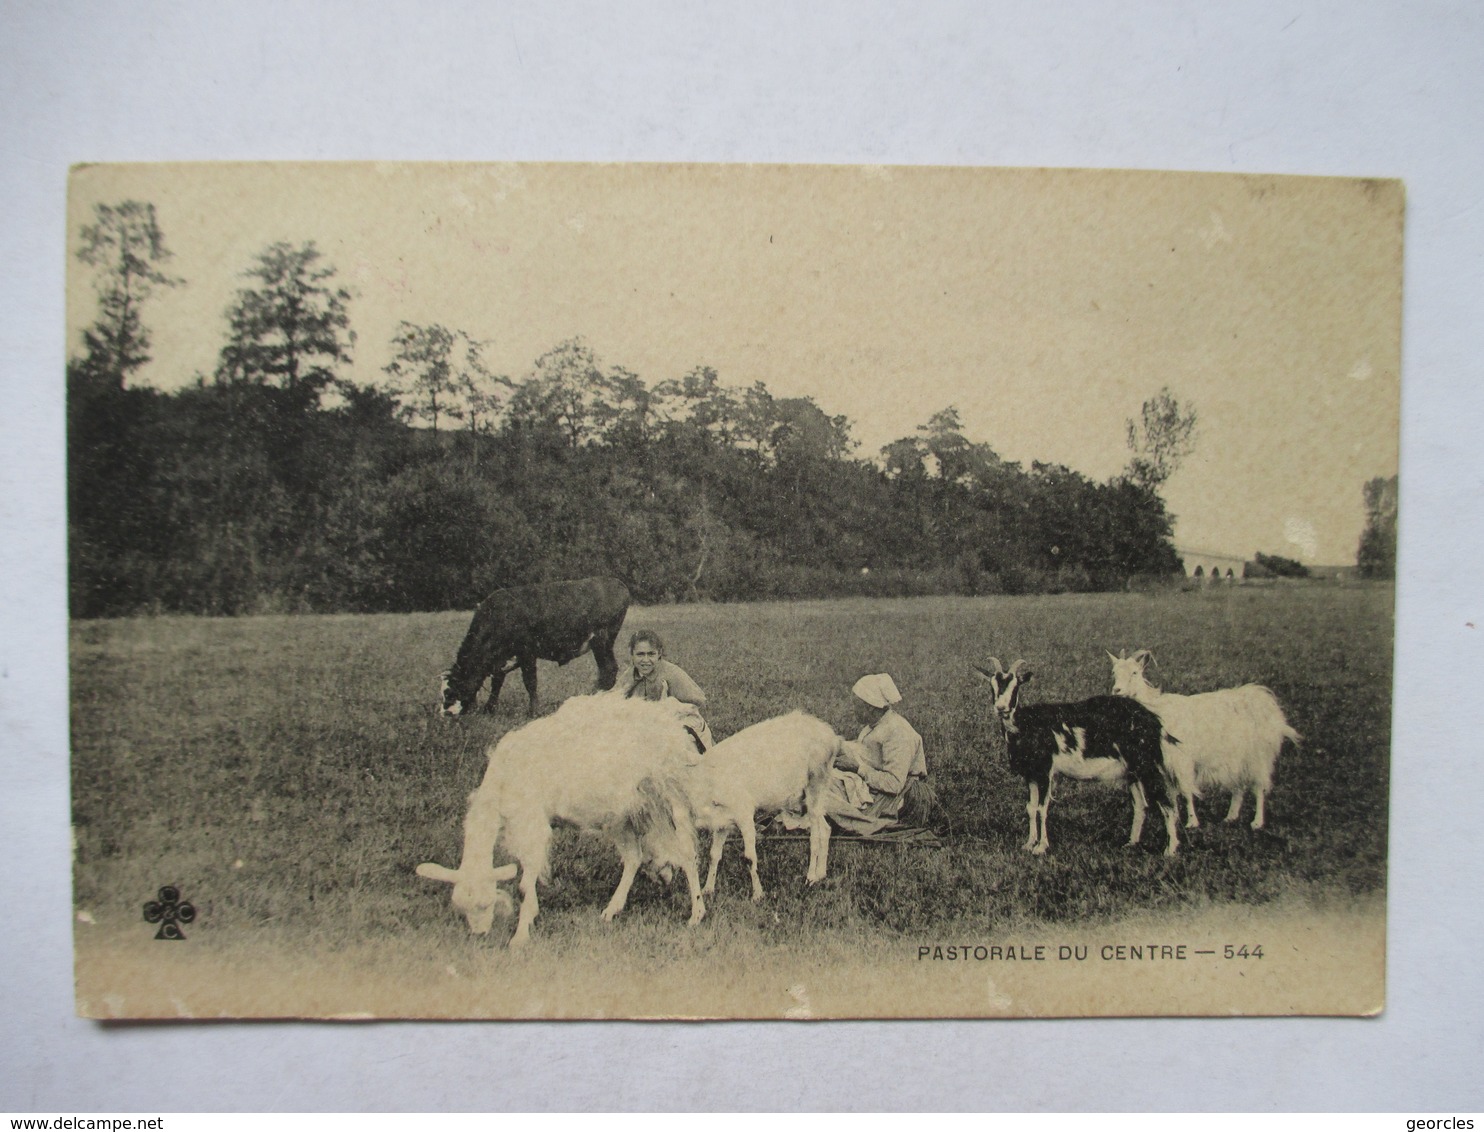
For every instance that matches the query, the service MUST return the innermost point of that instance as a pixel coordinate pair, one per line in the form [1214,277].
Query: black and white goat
[1105,738]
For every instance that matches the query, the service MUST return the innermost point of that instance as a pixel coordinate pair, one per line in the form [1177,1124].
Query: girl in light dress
[650,676]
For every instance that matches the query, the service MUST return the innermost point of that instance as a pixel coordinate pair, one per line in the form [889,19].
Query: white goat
[598,763]
[1229,740]
[767,766]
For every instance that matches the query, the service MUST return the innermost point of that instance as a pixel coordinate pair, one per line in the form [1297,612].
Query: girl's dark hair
[647,635]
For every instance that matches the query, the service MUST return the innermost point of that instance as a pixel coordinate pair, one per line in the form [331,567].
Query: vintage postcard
[934,592]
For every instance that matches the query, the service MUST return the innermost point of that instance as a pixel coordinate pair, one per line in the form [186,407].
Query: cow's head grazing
[451,695]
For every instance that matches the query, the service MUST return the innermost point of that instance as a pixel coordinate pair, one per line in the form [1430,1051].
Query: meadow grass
[289,773]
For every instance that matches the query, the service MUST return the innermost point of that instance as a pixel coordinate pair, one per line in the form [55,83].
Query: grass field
[288,773]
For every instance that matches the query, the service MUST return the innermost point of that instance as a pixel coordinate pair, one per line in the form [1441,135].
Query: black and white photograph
[729,591]
[1043,385]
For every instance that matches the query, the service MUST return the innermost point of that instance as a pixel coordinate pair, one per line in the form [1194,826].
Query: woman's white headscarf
[878,690]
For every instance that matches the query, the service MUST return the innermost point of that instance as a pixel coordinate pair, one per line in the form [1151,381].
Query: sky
[1046,305]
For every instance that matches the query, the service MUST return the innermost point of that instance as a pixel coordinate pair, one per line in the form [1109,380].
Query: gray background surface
[1384,89]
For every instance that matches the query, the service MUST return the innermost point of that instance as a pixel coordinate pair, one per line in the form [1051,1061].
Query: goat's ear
[438,872]
[984,673]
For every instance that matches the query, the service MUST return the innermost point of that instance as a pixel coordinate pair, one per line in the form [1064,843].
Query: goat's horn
[998,667]
[1143,655]
[1016,667]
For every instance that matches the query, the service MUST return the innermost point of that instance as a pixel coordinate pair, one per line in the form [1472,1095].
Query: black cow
[514,628]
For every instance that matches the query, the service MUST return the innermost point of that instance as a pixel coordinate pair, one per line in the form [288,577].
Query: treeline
[233,499]
[1376,554]
[277,485]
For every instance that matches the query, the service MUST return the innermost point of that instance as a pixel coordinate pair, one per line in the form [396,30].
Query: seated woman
[881,778]
[650,676]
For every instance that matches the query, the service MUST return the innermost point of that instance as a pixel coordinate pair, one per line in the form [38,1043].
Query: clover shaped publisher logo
[169,911]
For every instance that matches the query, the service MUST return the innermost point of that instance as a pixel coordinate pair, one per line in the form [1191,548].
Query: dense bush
[1274,566]
[234,498]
